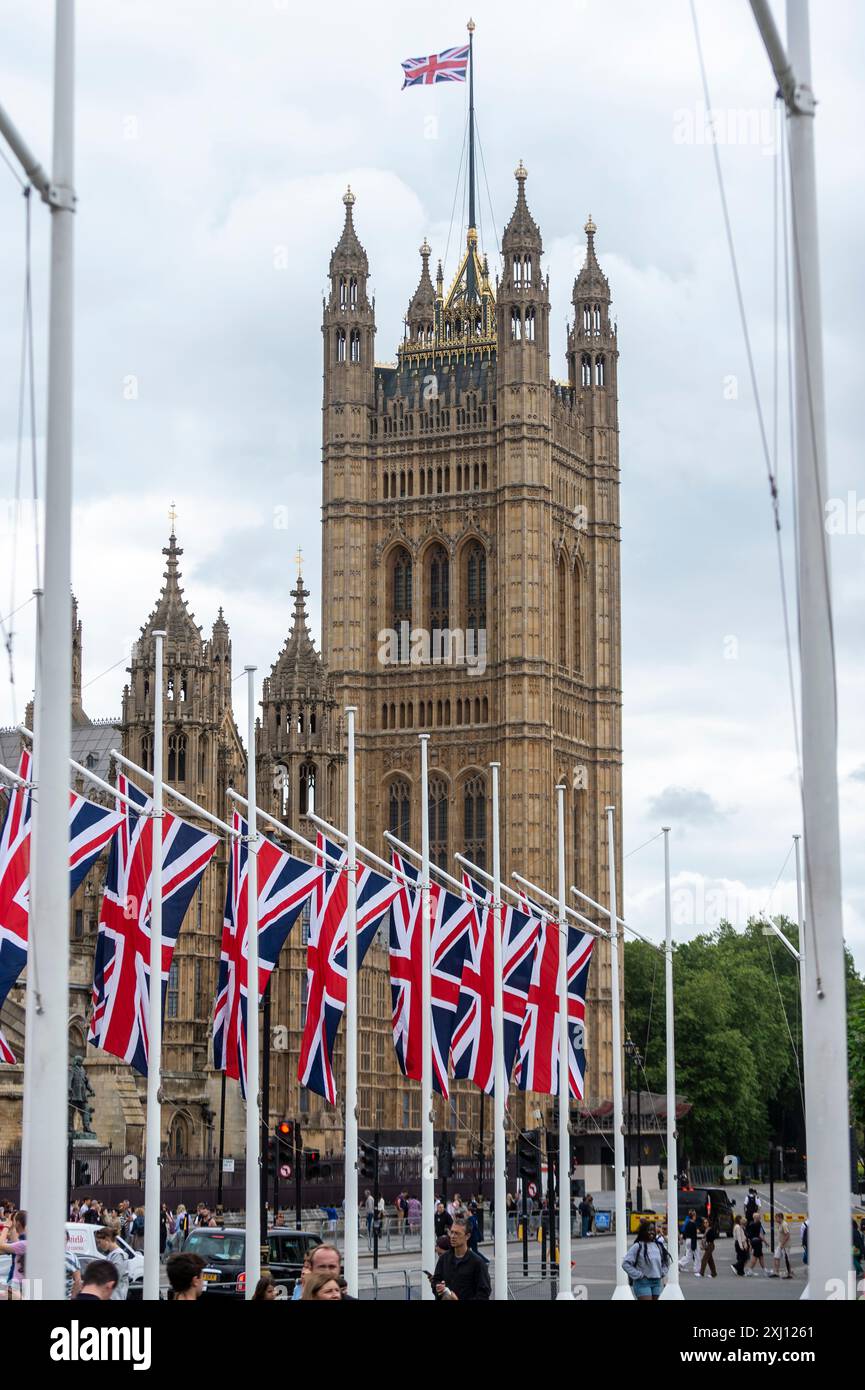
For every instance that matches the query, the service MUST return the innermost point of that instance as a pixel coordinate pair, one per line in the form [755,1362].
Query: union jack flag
[90,829]
[284,884]
[449,66]
[326,958]
[538,1066]
[472,1049]
[405,982]
[121,968]
[451,920]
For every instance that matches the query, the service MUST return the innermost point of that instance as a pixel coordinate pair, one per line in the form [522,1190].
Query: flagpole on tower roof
[471,28]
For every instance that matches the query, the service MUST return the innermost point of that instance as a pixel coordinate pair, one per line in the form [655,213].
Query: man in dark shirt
[100,1281]
[460,1275]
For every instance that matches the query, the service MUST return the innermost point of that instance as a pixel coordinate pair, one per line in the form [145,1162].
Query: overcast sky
[214,142]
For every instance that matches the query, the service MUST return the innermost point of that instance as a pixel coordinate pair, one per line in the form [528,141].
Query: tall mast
[471,28]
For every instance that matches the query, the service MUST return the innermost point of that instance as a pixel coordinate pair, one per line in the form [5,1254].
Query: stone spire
[421,311]
[298,661]
[171,613]
[348,254]
[522,232]
[591,281]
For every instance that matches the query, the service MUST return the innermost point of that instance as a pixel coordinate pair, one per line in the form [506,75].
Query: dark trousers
[742,1256]
[708,1260]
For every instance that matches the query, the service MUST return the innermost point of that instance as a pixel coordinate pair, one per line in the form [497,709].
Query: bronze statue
[79,1091]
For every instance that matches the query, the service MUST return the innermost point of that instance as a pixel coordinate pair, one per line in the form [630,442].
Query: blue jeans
[585,1221]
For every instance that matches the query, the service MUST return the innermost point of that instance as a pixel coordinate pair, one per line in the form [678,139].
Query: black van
[223,1250]
[709,1202]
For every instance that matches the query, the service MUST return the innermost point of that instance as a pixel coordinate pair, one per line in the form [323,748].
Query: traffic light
[529,1158]
[313,1163]
[285,1134]
[446,1158]
[366,1164]
[271,1155]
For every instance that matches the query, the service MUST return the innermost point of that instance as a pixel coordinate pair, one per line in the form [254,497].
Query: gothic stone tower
[471,564]
[202,757]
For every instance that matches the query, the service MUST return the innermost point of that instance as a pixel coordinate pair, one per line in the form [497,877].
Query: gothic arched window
[399,809]
[475,820]
[178,1138]
[562,582]
[578,620]
[516,325]
[438,821]
[439,588]
[353,291]
[177,757]
[147,752]
[343,293]
[307,788]
[530,325]
[401,599]
[172,994]
[585,370]
[475,592]
[599,371]
[355,345]
[340,345]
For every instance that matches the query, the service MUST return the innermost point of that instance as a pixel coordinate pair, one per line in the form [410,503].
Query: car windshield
[214,1247]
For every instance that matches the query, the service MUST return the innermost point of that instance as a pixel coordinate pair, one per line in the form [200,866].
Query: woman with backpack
[646,1263]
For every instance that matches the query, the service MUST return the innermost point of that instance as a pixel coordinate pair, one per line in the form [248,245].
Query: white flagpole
[153,1130]
[428,1255]
[672,1290]
[27,1106]
[564,1078]
[800,908]
[500,1221]
[826,1082]
[253,1118]
[48,1056]
[350,1257]
[623,1288]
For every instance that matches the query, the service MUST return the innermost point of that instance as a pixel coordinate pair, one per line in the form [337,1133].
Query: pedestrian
[587,1215]
[136,1230]
[756,1235]
[414,1214]
[72,1274]
[442,1219]
[181,1227]
[325,1259]
[646,1263]
[710,1235]
[460,1275]
[782,1247]
[369,1208]
[858,1251]
[752,1203]
[98,1283]
[185,1272]
[401,1212]
[305,1269]
[265,1290]
[124,1212]
[322,1288]
[165,1229]
[93,1215]
[805,1242]
[741,1248]
[379,1217]
[660,1179]
[106,1244]
[13,1241]
[690,1232]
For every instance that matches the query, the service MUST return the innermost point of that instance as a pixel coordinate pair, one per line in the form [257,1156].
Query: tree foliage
[738,1037]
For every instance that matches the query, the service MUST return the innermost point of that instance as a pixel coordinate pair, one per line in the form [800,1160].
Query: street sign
[228,1165]
[285,1170]
[532,1190]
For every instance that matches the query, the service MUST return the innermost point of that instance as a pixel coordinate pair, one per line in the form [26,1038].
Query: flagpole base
[671,1293]
[622,1294]
[806,1293]
[566,1296]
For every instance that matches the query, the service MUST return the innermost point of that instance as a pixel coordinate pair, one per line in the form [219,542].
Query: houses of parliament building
[470,590]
